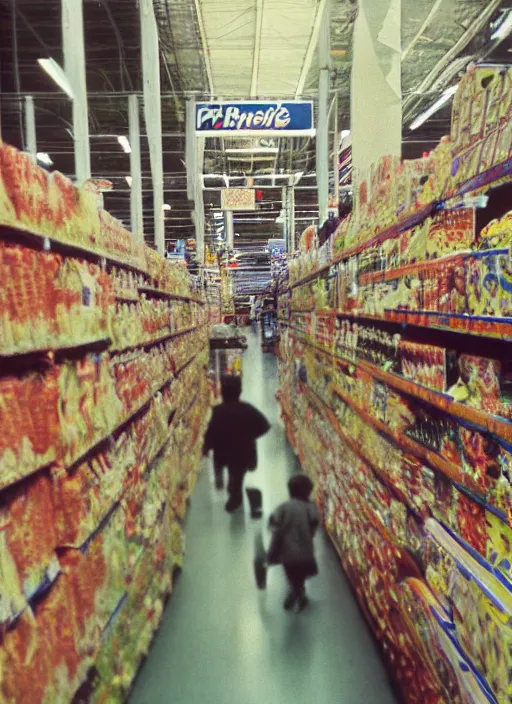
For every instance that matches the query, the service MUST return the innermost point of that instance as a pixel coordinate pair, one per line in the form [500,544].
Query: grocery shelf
[350,326]
[483,503]
[478,325]
[449,469]
[485,421]
[490,177]
[385,234]
[410,269]
[354,447]
[156,341]
[160,293]
[23,235]
[29,355]
[130,417]
[497,426]
[126,298]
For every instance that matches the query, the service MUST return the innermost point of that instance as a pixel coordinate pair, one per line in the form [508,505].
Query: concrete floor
[223,641]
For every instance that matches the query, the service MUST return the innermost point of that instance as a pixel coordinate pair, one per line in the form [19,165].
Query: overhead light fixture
[166,206]
[445,97]
[254,150]
[57,74]
[504,28]
[123,141]
[129,180]
[44,159]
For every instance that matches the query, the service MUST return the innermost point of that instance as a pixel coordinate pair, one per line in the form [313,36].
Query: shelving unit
[103,399]
[394,363]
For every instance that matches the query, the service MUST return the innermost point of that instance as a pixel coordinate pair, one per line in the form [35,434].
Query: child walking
[294,524]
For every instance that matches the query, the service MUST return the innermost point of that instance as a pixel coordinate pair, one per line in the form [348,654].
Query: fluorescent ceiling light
[129,180]
[254,150]
[445,97]
[505,27]
[44,158]
[123,141]
[56,73]
[247,157]
[166,206]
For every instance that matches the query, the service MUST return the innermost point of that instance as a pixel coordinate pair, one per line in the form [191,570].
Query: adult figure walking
[232,433]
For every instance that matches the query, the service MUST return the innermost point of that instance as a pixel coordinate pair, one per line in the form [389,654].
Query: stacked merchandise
[226,294]
[395,377]
[103,398]
[213,300]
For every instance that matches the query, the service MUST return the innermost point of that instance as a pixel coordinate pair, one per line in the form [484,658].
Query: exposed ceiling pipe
[204,41]
[180,113]
[452,53]
[417,36]
[120,47]
[313,41]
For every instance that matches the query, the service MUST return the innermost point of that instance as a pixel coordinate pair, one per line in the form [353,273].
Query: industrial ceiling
[213,48]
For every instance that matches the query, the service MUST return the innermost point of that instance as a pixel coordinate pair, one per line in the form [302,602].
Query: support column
[336,154]
[376,92]
[230,229]
[194,158]
[30,128]
[137,222]
[74,67]
[290,244]
[322,130]
[198,201]
[153,114]
[190,148]
[284,213]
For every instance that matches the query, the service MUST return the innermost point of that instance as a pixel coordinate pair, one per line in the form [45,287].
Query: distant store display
[238,199]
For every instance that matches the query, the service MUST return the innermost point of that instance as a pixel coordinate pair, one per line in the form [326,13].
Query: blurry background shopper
[232,434]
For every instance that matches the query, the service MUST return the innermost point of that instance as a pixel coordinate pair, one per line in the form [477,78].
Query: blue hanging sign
[292,119]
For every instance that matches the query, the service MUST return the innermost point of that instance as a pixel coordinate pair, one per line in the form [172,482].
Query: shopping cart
[269,331]
[226,348]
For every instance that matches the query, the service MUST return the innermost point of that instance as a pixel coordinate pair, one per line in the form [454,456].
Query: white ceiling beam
[74,66]
[136,204]
[30,128]
[257,48]
[313,41]
[428,20]
[204,42]
[153,114]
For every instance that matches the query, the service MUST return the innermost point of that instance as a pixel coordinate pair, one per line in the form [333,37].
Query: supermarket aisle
[221,640]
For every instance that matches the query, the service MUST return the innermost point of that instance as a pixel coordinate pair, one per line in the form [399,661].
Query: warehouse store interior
[307,200]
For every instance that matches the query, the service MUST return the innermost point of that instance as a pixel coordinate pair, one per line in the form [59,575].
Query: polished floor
[221,640]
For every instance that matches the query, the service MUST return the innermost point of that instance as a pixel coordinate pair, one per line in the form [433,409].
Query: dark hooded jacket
[232,434]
